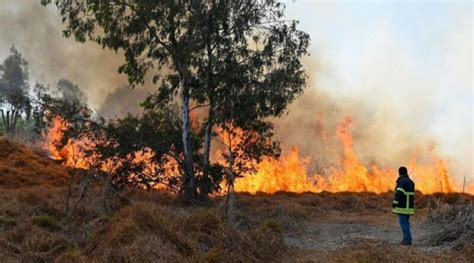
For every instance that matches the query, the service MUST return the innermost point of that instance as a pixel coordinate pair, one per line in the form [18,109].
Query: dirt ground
[371,237]
[338,229]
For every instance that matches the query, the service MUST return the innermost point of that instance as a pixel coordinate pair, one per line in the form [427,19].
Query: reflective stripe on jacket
[404,196]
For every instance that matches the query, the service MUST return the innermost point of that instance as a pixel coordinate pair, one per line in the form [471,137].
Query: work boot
[406,242]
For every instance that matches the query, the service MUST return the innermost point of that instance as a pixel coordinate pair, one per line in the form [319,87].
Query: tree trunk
[207,139]
[230,200]
[189,179]
[15,117]
[4,121]
[207,150]
[7,128]
[210,115]
[106,195]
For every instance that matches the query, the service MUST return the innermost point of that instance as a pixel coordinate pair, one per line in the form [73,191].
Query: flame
[72,154]
[287,174]
[290,173]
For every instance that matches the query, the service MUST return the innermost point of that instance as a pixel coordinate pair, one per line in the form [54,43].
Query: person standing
[403,203]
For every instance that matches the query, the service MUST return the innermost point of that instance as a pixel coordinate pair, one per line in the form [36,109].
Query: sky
[409,59]
[413,58]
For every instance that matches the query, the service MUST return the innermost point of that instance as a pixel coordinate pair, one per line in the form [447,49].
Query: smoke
[383,135]
[113,106]
[401,97]
[312,121]
[36,32]
[397,102]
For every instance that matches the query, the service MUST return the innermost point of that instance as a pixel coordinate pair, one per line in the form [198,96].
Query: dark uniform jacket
[404,196]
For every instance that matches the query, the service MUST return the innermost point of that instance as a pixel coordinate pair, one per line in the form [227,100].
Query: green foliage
[42,100]
[117,143]
[240,48]
[252,65]
[251,70]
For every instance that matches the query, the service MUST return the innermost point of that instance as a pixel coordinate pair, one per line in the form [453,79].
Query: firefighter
[403,203]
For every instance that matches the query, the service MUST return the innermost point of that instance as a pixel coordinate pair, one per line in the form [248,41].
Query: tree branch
[199,106]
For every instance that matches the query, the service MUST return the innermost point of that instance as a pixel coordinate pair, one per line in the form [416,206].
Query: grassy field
[150,226]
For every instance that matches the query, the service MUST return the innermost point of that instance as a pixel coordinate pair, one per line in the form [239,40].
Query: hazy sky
[409,58]
[412,58]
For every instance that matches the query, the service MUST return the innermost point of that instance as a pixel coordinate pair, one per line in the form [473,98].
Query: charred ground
[152,226]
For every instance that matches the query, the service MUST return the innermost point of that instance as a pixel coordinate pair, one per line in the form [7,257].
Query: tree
[241,59]
[68,102]
[251,68]
[14,99]
[41,102]
[140,152]
[151,33]
[243,149]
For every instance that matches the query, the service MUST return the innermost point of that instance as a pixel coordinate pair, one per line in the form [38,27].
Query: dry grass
[153,226]
[151,232]
[22,168]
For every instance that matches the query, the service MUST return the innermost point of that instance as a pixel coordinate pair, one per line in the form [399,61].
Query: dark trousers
[405,225]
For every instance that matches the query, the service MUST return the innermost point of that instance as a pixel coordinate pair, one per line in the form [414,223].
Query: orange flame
[72,154]
[290,173]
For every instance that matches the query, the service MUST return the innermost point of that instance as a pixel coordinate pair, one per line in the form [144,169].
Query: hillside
[151,226]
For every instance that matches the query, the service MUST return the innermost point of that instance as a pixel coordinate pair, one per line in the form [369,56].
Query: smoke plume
[395,103]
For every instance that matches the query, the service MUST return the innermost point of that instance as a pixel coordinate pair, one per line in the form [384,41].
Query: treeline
[238,62]
[21,104]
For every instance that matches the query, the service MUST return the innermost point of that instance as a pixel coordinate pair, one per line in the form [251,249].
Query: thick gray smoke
[392,104]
